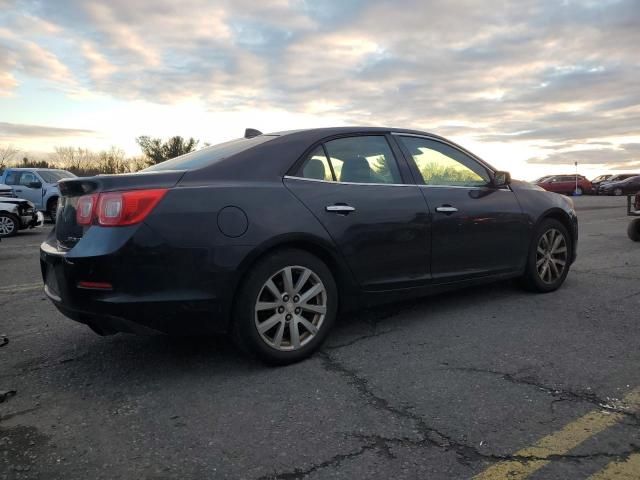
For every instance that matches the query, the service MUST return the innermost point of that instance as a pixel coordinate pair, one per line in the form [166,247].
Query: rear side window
[360,159]
[317,166]
[209,155]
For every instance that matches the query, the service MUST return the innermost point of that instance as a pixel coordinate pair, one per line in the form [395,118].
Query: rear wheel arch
[52,201]
[344,281]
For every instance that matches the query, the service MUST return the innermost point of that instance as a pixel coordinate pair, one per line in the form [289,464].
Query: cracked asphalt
[492,382]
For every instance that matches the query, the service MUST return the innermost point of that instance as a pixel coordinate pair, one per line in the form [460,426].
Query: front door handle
[340,209]
[446,209]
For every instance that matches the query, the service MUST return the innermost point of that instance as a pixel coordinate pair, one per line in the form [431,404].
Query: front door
[477,229]
[380,224]
[24,188]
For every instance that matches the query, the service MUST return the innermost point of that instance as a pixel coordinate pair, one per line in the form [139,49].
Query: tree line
[84,162]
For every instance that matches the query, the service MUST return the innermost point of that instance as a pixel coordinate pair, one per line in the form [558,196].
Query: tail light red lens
[84,209]
[116,209]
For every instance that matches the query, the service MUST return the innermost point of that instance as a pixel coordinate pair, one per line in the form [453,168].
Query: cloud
[623,157]
[18,130]
[532,72]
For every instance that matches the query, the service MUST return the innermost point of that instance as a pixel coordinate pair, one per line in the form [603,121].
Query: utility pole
[576,190]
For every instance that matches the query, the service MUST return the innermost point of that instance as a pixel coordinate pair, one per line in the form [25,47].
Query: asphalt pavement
[491,382]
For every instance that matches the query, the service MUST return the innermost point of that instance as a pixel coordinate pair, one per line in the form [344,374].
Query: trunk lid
[68,232]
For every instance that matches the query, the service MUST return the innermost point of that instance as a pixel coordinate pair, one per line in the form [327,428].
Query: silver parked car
[18,214]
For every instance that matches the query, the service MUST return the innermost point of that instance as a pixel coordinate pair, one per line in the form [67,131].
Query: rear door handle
[446,209]
[340,209]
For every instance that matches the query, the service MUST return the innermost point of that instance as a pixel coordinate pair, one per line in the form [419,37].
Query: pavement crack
[332,462]
[360,338]
[560,394]
[9,416]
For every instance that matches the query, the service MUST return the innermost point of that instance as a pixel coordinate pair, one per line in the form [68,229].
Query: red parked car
[566,184]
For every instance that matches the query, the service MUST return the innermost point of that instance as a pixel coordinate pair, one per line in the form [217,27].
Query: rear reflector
[116,209]
[95,285]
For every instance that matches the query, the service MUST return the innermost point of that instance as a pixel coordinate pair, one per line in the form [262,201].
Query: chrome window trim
[293,177]
[452,145]
[478,187]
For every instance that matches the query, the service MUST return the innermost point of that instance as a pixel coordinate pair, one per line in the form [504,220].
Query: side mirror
[501,179]
[35,185]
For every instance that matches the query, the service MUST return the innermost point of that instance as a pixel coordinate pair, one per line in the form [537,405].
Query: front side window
[363,159]
[27,179]
[441,164]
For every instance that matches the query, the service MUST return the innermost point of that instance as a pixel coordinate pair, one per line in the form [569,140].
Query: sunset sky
[531,86]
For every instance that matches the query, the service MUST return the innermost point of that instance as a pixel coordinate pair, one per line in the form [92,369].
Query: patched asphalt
[450,386]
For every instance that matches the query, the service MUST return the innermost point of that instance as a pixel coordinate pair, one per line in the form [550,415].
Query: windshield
[541,179]
[52,176]
[209,155]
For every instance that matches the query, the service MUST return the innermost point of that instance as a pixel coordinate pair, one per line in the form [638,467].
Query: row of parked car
[620,184]
[26,196]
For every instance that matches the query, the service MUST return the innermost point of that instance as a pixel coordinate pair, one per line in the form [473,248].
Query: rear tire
[9,225]
[549,257]
[633,230]
[278,317]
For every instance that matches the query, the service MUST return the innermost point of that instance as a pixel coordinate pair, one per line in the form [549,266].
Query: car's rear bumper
[144,298]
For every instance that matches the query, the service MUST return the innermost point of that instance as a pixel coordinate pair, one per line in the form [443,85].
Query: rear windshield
[209,155]
[52,176]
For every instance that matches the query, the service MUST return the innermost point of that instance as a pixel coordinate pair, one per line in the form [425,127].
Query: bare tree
[75,159]
[7,152]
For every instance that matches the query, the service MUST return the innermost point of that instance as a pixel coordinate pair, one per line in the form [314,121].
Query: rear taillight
[116,209]
[84,209]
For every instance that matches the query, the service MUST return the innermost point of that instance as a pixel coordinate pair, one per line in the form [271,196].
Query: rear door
[477,229]
[363,196]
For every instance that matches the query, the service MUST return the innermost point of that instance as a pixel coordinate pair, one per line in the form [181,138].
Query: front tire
[9,225]
[549,257]
[633,230]
[285,307]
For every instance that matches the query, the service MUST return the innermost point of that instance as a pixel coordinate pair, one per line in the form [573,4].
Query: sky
[530,86]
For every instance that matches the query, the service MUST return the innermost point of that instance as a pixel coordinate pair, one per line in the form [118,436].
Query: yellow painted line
[558,443]
[628,469]
[25,287]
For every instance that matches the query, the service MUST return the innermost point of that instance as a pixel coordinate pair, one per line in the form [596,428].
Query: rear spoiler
[73,187]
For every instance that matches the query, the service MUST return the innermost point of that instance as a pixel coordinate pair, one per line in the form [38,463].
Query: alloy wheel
[290,308]
[7,226]
[551,255]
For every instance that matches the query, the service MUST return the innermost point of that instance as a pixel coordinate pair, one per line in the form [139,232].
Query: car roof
[328,131]
[37,168]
